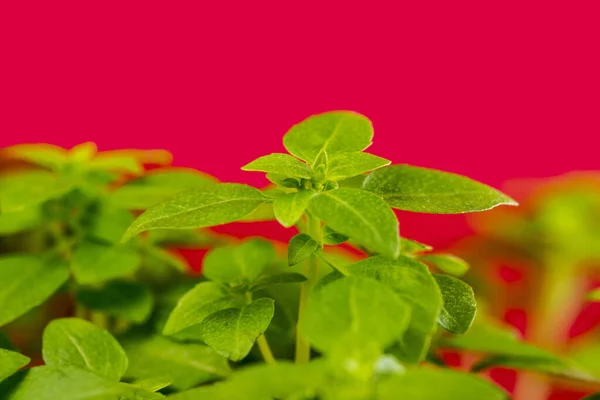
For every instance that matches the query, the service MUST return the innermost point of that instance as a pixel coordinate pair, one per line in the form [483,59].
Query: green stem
[311,271]
[263,344]
[552,315]
[265,350]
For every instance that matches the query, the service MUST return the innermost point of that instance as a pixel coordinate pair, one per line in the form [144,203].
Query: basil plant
[307,320]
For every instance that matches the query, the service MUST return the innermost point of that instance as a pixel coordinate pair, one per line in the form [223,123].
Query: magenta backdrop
[493,90]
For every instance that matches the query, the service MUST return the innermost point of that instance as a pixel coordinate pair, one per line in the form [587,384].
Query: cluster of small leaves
[361,329]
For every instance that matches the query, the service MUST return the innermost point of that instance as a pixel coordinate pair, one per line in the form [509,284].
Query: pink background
[493,90]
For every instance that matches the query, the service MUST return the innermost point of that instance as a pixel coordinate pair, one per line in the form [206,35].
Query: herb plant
[315,323]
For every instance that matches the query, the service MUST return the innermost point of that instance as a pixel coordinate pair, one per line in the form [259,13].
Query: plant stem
[263,344]
[311,270]
[554,311]
[265,350]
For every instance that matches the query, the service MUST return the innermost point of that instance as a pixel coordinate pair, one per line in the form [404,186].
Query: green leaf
[212,392]
[504,348]
[335,132]
[18,221]
[289,208]
[204,299]
[76,342]
[200,208]
[109,223]
[184,365]
[447,263]
[129,300]
[431,191]
[159,186]
[283,380]
[28,281]
[412,282]
[197,239]
[96,262]
[11,362]
[277,279]
[23,190]
[83,152]
[233,331]
[116,163]
[354,310]
[240,264]
[421,383]
[300,248]
[594,295]
[558,367]
[347,165]
[409,246]
[70,383]
[283,180]
[360,215]
[152,384]
[45,155]
[332,238]
[588,356]
[459,305]
[278,163]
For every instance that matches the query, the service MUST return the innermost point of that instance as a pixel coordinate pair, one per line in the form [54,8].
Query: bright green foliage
[46,155]
[18,221]
[203,300]
[368,324]
[447,263]
[282,164]
[238,265]
[184,365]
[159,186]
[289,208]
[409,246]
[413,283]
[11,362]
[276,279]
[355,310]
[420,384]
[30,280]
[335,132]
[76,342]
[459,305]
[129,300]
[332,238]
[26,189]
[347,165]
[70,383]
[231,332]
[361,216]
[430,191]
[152,384]
[300,248]
[96,262]
[200,208]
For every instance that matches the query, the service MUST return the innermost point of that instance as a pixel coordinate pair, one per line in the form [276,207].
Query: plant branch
[263,344]
[311,271]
